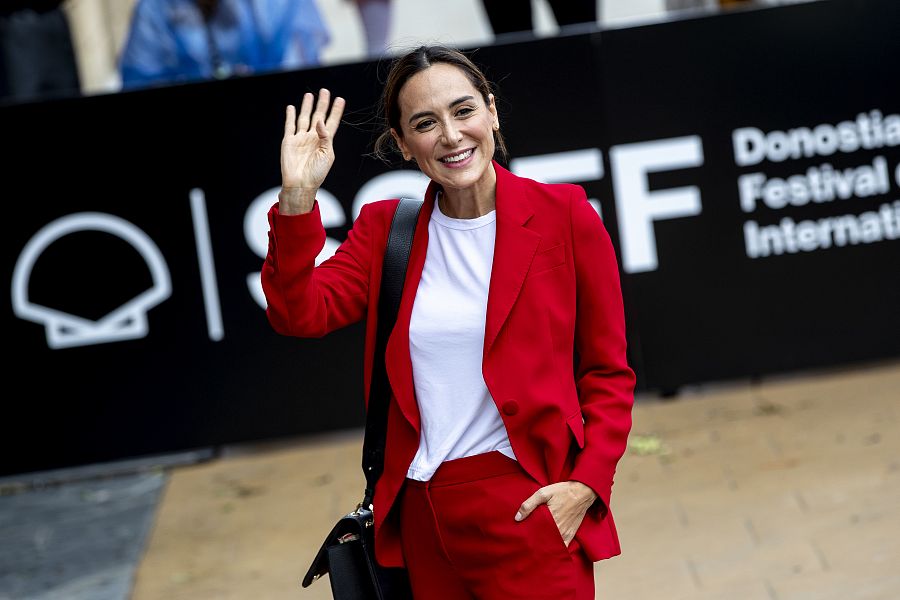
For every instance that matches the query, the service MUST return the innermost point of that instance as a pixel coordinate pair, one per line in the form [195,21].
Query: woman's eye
[465,111]
[423,125]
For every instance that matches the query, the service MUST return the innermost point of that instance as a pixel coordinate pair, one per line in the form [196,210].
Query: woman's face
[447,127]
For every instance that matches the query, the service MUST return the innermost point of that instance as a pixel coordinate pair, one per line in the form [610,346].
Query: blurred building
[100,27]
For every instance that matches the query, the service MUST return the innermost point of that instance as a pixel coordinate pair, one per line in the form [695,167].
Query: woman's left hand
[568,502]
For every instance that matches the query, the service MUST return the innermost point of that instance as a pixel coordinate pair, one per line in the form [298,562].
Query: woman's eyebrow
[426,113]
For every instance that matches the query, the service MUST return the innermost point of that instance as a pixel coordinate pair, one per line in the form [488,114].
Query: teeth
[458,157]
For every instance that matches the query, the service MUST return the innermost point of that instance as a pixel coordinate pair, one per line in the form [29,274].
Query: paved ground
[784,489]
[79,540]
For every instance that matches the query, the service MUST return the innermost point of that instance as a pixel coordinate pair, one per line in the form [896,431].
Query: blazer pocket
[576,425]
[550,258]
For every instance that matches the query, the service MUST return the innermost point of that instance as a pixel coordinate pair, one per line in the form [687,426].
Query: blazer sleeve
[603,378]
[309,301]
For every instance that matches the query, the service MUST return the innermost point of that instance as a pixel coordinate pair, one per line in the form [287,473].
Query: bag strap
[393,273]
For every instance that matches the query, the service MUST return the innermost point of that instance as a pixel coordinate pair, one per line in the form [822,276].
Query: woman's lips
[468,155]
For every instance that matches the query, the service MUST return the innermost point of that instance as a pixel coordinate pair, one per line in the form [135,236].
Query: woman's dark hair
[402,69]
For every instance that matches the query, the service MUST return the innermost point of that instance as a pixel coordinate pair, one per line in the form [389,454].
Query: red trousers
[461,541]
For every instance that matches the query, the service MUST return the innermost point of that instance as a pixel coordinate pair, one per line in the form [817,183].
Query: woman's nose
[451,134]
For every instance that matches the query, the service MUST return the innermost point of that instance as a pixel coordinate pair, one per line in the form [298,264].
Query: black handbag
[348,553]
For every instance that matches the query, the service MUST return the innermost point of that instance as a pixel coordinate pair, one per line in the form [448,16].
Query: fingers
[322,131]
[334,117]
[305,111]
[533,501]
[321,106]
[310,119]
[289,120]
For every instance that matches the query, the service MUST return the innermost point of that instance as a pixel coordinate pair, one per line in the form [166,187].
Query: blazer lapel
[398,361]
[514,249]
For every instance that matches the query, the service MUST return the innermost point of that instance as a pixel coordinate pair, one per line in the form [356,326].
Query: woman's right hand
[307,151]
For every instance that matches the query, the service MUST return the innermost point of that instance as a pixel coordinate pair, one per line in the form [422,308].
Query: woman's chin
[459,178]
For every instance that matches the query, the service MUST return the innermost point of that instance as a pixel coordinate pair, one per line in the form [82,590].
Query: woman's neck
[470,202]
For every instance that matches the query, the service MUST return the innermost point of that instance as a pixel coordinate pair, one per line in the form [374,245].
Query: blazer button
[510,408]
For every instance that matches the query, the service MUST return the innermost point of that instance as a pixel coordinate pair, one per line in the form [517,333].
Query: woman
[498,463]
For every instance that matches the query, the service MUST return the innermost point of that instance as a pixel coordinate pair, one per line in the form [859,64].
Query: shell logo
[127,322]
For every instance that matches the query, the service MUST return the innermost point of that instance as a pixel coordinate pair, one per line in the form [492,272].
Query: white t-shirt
[446,344]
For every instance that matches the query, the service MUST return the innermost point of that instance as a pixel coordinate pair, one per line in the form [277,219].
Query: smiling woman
[452,120]
[498,464]
[450,135]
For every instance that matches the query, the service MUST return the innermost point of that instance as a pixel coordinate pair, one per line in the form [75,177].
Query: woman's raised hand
[307,150]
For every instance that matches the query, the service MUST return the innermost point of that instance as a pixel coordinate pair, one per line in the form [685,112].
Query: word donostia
[867,132]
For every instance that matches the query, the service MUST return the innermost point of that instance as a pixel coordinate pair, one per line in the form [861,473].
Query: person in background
[509,17]
[37,60]
[376,18]
[186,40]
[672,5]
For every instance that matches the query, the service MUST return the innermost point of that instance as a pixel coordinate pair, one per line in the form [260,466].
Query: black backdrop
[699,306]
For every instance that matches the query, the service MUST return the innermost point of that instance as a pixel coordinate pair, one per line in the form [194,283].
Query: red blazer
[554,285]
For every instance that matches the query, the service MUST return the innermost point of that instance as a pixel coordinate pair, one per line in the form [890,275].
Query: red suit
[554,285]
